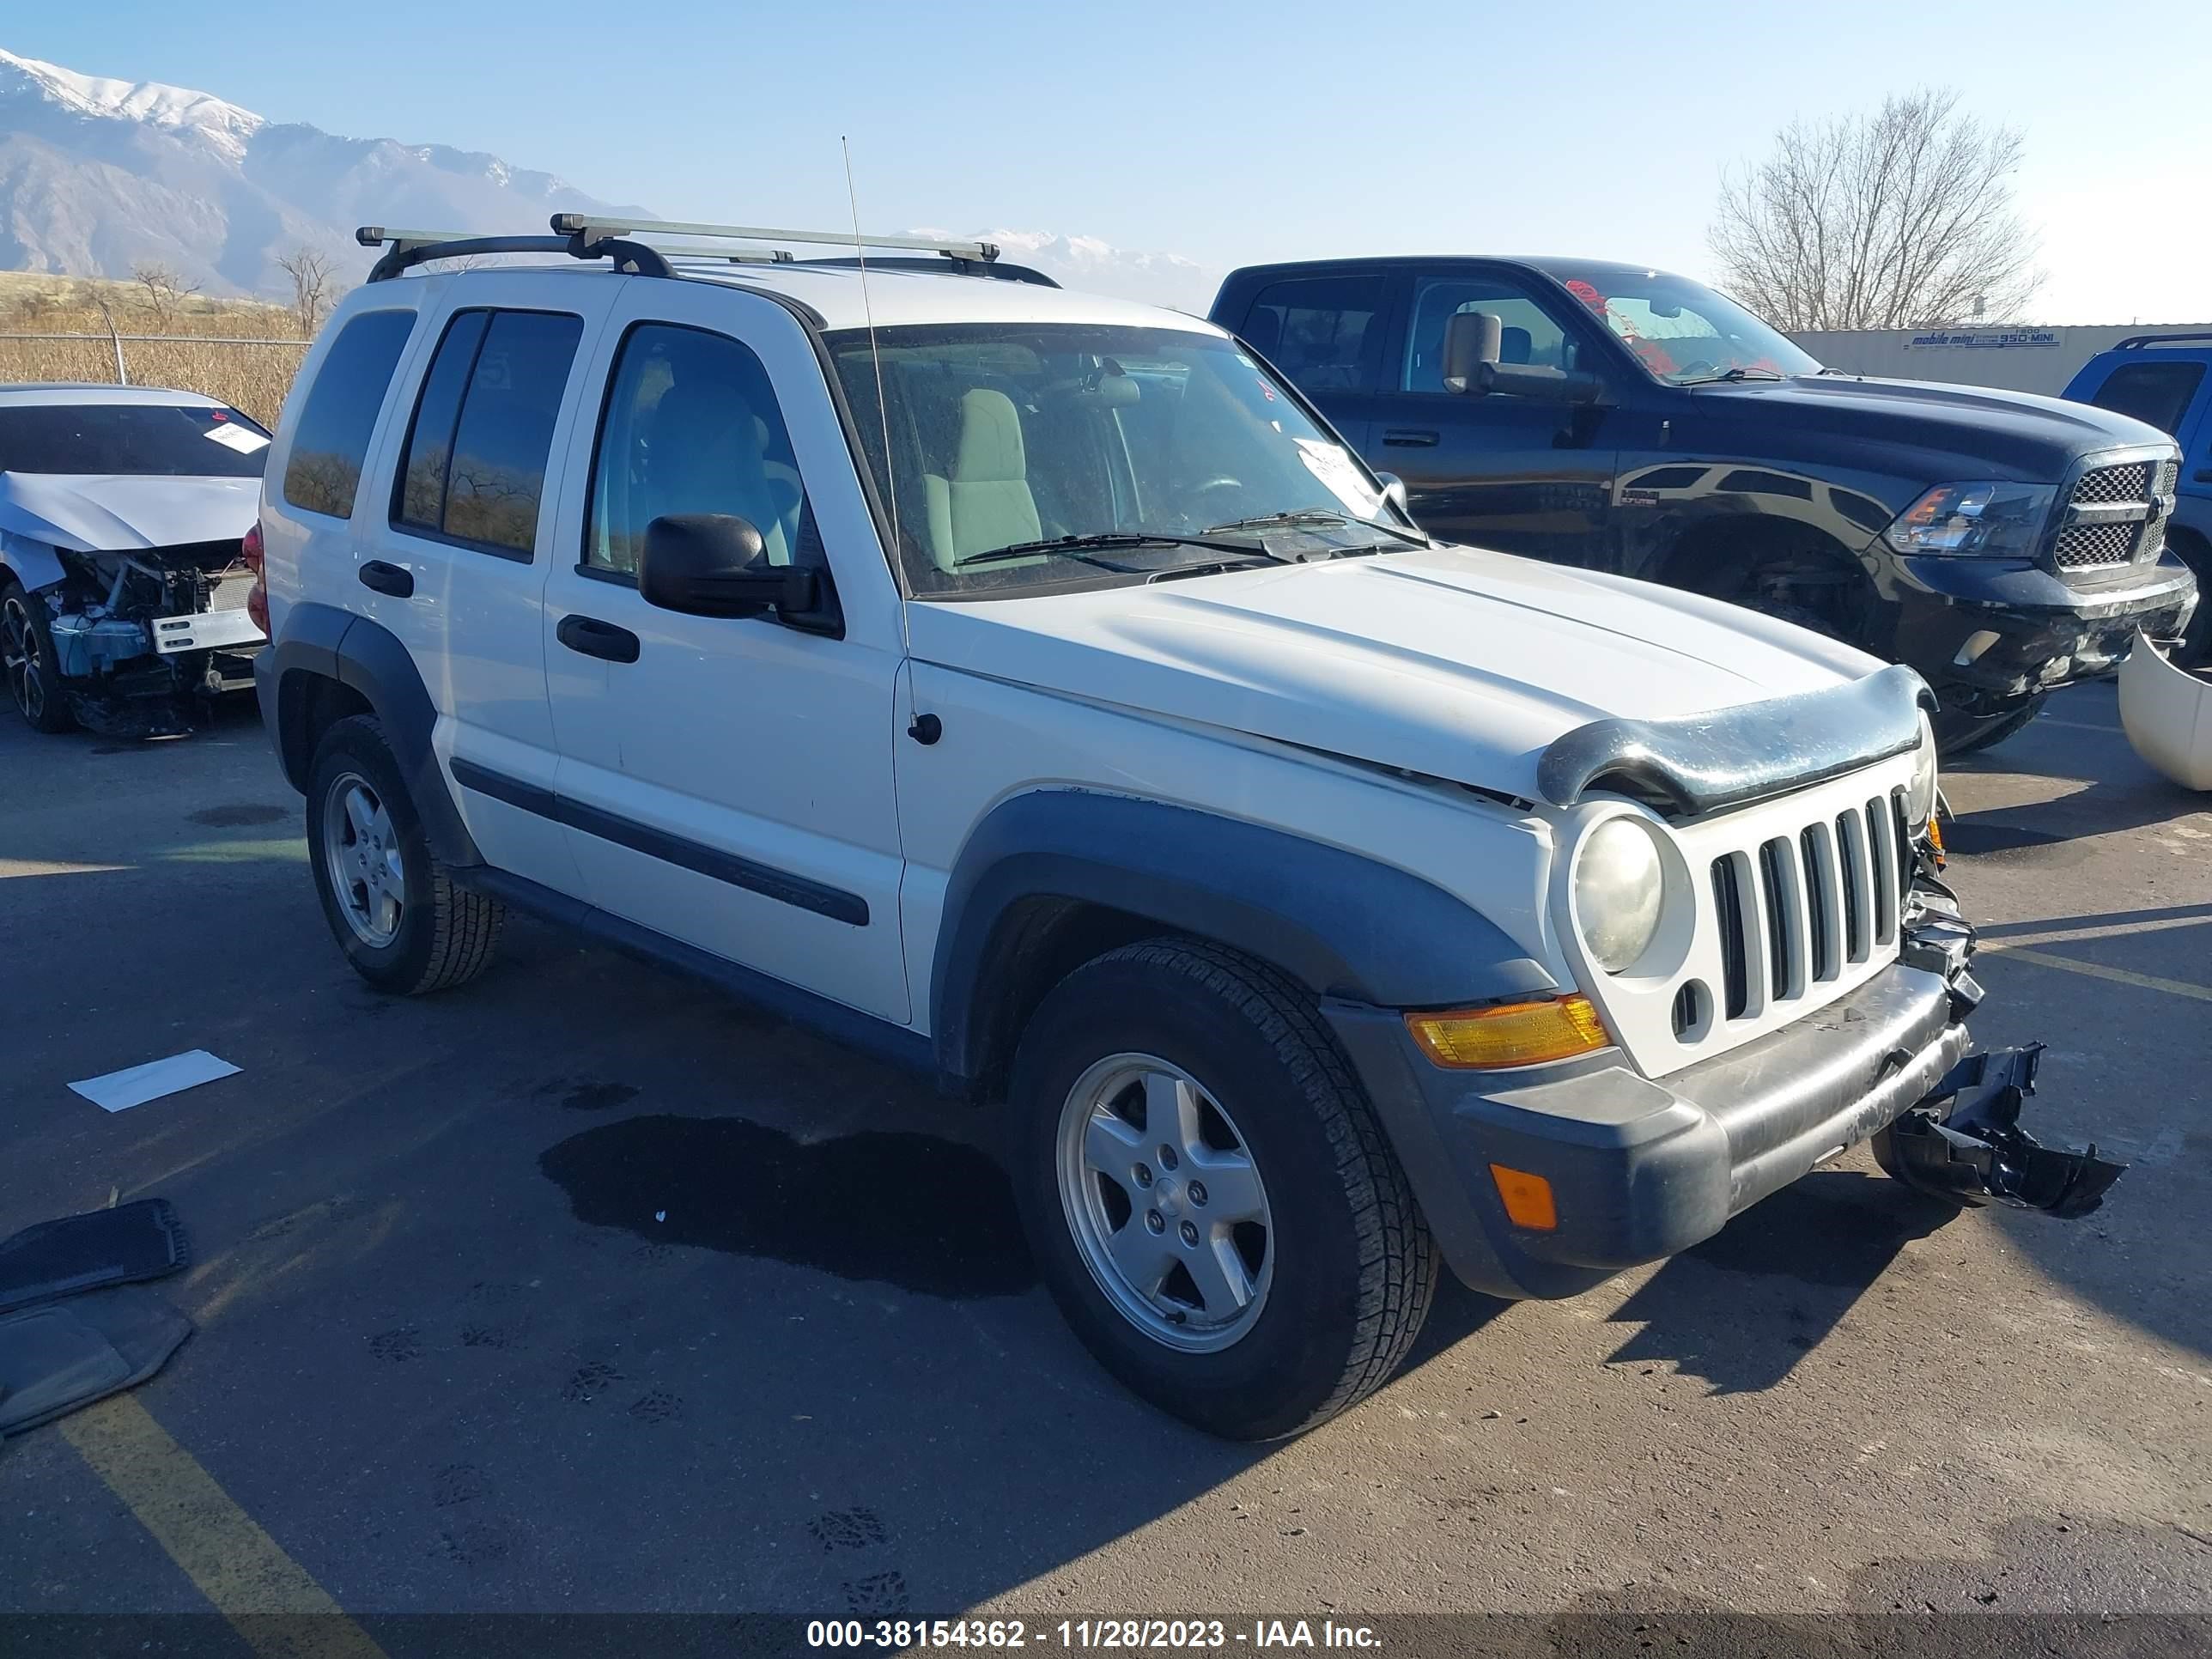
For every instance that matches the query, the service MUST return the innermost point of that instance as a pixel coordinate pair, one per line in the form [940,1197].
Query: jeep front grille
[2115,516]
[1796,912]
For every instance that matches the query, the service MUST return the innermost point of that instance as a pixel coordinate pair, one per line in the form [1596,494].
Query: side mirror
[1393,494]
[714,564]
[1473,340]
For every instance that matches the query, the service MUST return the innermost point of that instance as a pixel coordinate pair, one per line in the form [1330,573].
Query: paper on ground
[136,1085]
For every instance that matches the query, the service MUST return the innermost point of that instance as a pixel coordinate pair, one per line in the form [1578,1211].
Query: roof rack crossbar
[408,249]
[591,227]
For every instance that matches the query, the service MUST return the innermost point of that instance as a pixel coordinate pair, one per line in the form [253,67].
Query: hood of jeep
[1452,662]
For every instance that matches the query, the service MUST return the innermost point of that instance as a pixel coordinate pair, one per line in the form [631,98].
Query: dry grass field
[252,378]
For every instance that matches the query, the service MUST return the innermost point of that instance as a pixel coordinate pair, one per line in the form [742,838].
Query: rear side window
[475,467]
[1323,331]
[2159,393]
[331,444]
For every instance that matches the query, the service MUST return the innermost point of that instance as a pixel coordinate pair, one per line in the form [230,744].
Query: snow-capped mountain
[1085,262]
[97,174]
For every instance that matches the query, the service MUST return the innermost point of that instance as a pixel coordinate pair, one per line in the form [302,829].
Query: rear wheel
[27,648]
[403,922]
[1208,1194]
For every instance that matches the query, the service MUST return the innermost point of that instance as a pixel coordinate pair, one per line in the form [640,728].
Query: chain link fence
[247,372]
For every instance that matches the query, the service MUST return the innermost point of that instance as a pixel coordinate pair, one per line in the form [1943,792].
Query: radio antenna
[868,310]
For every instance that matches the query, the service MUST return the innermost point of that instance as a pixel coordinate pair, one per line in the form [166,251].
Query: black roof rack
[2136,342]
[587,236]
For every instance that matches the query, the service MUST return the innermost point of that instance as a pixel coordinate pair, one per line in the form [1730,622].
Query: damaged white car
[124,584]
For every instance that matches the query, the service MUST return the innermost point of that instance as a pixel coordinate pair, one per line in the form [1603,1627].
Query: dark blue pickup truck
[2165,380]
[1621,418]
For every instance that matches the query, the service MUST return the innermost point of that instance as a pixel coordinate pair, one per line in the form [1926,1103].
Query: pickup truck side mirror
[714,564]
[1473,340]
[1393,492]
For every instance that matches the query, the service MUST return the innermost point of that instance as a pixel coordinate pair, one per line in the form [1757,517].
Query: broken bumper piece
[1976,1152]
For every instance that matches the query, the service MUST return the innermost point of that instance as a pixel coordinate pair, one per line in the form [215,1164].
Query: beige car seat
[983,500]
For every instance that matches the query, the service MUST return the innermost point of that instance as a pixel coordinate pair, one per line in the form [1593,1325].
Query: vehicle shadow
[1742,1308]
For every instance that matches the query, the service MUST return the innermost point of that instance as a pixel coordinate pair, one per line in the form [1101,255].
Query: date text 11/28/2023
[1004,1635]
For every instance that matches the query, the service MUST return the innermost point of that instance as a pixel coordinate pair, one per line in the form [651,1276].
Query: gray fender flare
[1343,926]
[321,640]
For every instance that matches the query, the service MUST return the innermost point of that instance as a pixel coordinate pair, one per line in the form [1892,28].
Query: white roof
[899,297]
[49,393]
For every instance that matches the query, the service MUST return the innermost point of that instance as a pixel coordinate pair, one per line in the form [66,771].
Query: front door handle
[1401,437]
[596,638]
[388,578]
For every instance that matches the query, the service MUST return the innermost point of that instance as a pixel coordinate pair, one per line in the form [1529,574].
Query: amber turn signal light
[1513,1034]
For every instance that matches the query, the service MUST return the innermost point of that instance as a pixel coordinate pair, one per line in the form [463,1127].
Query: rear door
[727,781]
[453,556]
[1324,330]
[1509,472]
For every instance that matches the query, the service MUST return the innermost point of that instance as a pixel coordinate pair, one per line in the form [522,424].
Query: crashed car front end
[1803,989]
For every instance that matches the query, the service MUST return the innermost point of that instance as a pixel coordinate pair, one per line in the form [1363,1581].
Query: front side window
[331,444]
[1318,330]
[691,425]
[1009,435]
[144,441]
[1526,333]
[2159,393]
[1682,331]
[476,450]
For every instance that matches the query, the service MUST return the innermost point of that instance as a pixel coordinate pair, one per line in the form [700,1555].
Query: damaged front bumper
[1641,1168]
[1964,1142]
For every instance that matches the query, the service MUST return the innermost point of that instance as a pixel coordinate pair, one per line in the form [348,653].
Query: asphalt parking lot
[585,1290]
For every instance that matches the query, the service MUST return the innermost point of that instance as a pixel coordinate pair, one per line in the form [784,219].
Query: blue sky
[1230,134]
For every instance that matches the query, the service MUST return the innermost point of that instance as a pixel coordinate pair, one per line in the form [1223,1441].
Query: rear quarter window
[331,444]
[2159,393]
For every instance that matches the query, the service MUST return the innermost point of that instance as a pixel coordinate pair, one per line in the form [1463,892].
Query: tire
[34,671]
[405,926]
[1340,1273]
[1959,733]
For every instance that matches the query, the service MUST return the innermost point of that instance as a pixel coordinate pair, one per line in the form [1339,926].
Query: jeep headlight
[1920,793]
[1619,885]
[1964,520]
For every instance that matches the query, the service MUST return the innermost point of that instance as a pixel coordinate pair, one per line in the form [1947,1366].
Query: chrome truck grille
[2115,515]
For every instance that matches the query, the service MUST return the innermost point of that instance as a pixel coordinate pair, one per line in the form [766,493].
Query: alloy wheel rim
[20,645]
[1165,1202]
[360,852]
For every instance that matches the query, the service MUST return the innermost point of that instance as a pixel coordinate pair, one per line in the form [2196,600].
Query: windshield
[1009,435]
[153,440]
[1683,332]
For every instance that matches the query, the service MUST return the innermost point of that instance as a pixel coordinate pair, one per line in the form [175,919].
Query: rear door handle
[1409,438]
[388,578]
[596,638]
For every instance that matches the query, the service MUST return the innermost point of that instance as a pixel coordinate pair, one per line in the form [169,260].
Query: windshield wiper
[1737,373]
[1316,516]
[1075,547]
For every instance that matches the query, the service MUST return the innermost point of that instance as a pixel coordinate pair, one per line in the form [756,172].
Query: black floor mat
[139,1240]
[67,1354]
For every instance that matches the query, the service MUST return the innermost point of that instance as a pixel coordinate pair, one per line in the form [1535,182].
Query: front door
[1516,473]
[725,782]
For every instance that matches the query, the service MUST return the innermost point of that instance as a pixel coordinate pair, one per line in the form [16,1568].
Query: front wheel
[1208,1194]
[27,648]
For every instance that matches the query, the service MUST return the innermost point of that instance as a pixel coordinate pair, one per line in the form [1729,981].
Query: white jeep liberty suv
[1034,688]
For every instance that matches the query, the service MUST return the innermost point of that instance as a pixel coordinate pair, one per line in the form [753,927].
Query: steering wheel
[1213,487]
[1702,366]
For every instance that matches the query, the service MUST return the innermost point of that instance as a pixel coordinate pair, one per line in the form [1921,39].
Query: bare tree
[314,286]
[165,289]
[1902,219]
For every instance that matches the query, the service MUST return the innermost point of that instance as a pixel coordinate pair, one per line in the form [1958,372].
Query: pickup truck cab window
[1529,333]
[1682,331]
[1010,437]
[1323,331]
[2157,393]
[691,425]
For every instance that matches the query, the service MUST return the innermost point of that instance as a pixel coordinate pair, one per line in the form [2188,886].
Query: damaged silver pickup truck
[124,580]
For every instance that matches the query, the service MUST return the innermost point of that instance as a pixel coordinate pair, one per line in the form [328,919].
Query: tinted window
[482,483]
[141,440]
[331,444]
[2159,393]
[1318,330]
[1526,332]
[691,425]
